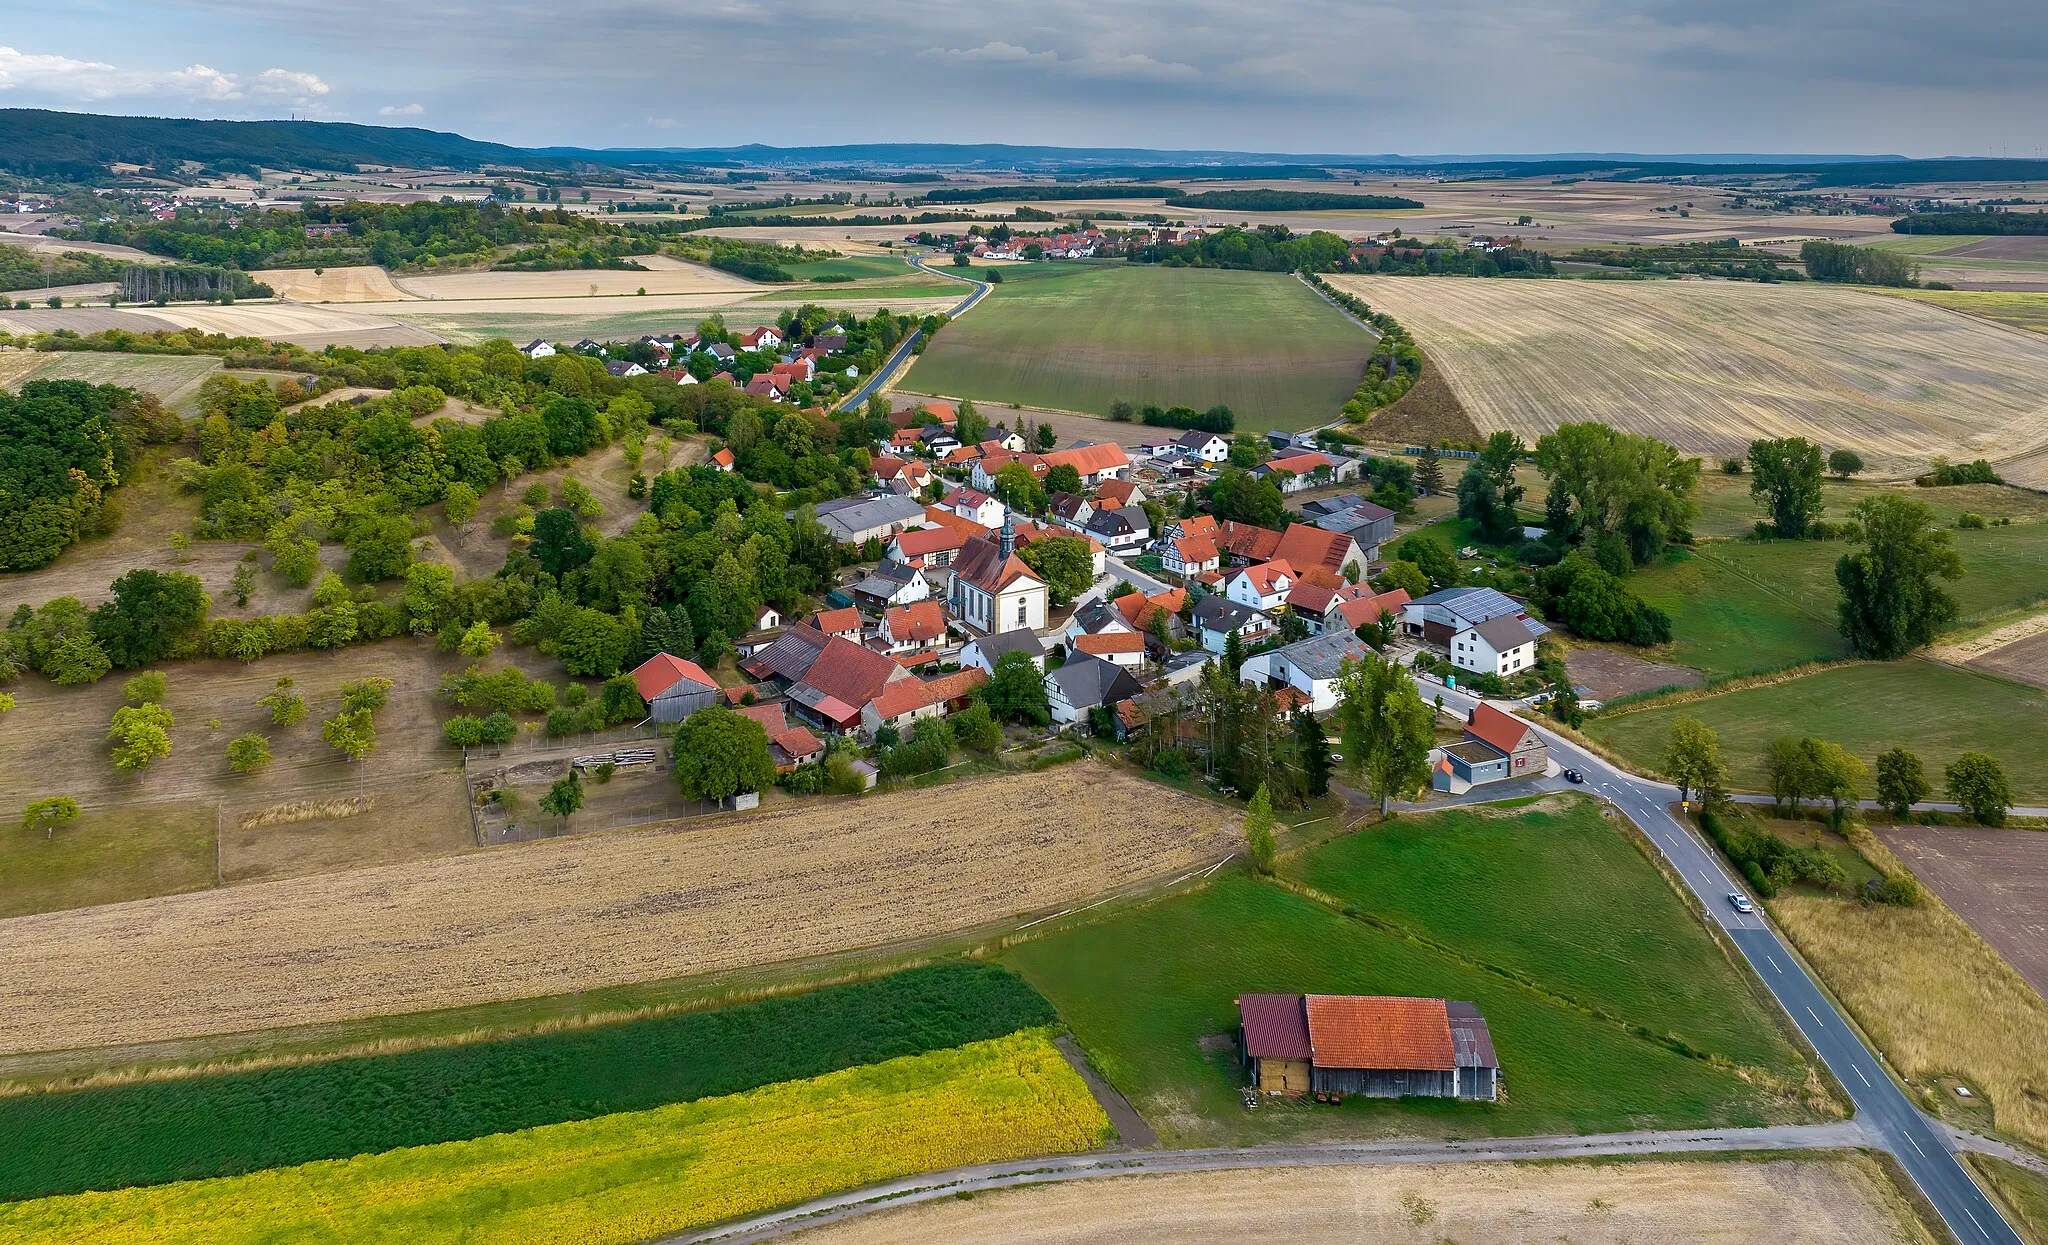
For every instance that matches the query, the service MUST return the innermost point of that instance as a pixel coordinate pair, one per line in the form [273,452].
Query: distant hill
[80,146]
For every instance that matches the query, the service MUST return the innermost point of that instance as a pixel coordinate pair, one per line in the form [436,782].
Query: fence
[638,792]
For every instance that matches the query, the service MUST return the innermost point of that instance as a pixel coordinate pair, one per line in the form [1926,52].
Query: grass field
[1810,1199]
[572,914]
[1077,337]
[1150,994]
[2023,1194]
[1726,508]
[107,856]
[853,267]
[1937,711]
[175,379]
[2022,309]
[624,1177]
[189,1127]
[1709,365]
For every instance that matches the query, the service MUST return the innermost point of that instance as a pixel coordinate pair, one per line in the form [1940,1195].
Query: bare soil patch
[1068,426]
[2024,660]
[573,914]
[1811,1201]
[1610,673]
[1428,414]
[2003,248]
[1997,880]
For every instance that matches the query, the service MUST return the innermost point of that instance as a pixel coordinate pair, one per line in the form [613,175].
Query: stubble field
[573,914]
[1711,365]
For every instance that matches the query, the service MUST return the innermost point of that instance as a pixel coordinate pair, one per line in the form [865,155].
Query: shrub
[147,688]
[248,752]
[1898,892]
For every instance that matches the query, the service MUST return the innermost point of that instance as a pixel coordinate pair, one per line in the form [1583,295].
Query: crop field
[175,379]
[188,1127]
[1078,337]
[2022,309]
[1997,880]
[1937,711]
[624,1177]
[1836,1199]
[663,275]
[1936,999]
[363,283]
[1533,917]
[1710,365]
[571,914]
[852,267]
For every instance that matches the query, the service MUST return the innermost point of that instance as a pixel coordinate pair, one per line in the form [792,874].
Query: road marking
[1816,1017]
[1916,1145]
[1973,1219]
[1861,1077]
[1774,964]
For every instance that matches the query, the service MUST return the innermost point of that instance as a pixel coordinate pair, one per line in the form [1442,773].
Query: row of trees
[1810,770]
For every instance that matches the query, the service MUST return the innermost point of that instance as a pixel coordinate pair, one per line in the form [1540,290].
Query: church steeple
[1006,540]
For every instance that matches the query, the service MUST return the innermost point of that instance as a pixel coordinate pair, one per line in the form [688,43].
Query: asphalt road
[895,360]
[1919,1144]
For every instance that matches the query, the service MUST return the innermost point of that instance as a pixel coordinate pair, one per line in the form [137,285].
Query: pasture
[1937,711]
[582,913]
[1836,1199]
[1534,917]
[1710,365]
[1077,337]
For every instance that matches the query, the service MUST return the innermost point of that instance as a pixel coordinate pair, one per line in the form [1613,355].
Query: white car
[1740,902]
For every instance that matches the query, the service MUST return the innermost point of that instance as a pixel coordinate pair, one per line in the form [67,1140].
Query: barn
[673,688]
[1375,1045]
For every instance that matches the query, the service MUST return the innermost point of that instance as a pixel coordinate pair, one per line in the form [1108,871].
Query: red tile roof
[848,672]
[1104,643]
[1367,609]
[1196,550]
[1375,1031]
[1138,609]
[1299,464]
[769,716]
[1275,1026]
[909,695]
[1199,525]
[797,742]
[1118,491]
[923,621]
[725,459]
[1266,577]
[926,541]
[1312,546]
[1089,459]
[1503,730]
[1253,544]
[661,672]
[836,622]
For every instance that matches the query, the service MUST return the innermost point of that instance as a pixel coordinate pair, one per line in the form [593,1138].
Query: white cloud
[90,81]
[663,123]
[993,51]
[400,110]
[1135,65]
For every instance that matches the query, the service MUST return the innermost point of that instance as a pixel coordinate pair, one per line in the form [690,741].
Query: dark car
[1572,775]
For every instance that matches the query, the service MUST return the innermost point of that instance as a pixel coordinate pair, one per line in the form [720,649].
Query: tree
[1692,760]
[1238,496]
[1233,655]
[1499,457]
[1122,411]
[1018,488]
[1248,450]
[1845,463]
[1784,477]
[379,547]
[1479,502]
[294,559]
[1063,478]
[976,728]
[1890,603]
[1789,765]
[1608,483]
[1258,830]
[353,733]
[719,754]
[1047,438]
[429,596]
[141,734]
[564,798]
[248,752]
[1430,557]
[593,643]
[1402,575]
[286,706]
[1315,754]
[478,641]
[558,541]
[1429,471]
[1016,692]
[459,504]
[47,814]
[1386,726]
[970,425]
[150,612]
[1977,783]
[1063,562]
[147,688]
[1901,782]
[1837,773]
[242,584]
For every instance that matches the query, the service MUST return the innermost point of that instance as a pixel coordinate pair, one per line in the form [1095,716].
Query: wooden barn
[1377,1046]
[673,688]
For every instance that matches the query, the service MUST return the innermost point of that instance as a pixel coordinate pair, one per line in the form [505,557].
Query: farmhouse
[1245,543]
[1123,648]
[673,688]
[1070,510]
[1501,645]
[1297,471]
[1185,557]
[1309,666]
[1307,548]
[887,469]
[912,628]
[845,623]
[903,702]
[1527,754]
[1360,610]
[1439,616]
[1095,463]
[1374,1045]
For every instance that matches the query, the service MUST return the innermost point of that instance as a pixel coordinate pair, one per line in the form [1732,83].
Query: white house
[1501,645]
[975,505]
[1204,447]
[1261,587]
[1083,683]
[1124,529]
[1216,618]
[984,651]
[1309,666]
[763,338]
[1188,556]
[538,349]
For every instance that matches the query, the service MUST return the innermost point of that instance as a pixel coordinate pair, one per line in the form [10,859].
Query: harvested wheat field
[572,914]
[364,283]
[1841,1199]
[663,275]
[1710,365]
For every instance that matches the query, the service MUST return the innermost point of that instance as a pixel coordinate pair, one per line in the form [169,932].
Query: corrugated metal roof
[1470,1036]
[1379,1032]
[1275,1026]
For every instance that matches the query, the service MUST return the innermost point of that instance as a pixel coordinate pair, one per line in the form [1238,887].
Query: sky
[1965,77]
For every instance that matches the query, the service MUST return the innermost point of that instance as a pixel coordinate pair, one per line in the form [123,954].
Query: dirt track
[573,914]
[1816,1201]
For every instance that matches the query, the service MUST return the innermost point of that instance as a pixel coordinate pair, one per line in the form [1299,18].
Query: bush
[508,690]
[1971,521]
[1899,892]
[929,747]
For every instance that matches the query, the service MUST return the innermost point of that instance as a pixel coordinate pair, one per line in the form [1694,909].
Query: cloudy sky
[1876,76]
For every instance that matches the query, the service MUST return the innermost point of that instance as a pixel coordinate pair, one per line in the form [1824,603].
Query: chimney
[1006,540]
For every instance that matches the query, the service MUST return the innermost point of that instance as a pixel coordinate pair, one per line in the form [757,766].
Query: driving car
[1740,902]
[1572,775]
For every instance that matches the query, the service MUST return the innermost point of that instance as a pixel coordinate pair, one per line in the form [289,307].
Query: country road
[930,1186]
[1918,1142]
[894,362]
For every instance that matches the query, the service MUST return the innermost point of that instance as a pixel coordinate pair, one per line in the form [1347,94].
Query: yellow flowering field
[626,1177]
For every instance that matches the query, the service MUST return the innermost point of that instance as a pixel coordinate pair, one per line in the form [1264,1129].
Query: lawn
[1151,994]
[1935,710]
[1078,337]
[106,856]
[625,1177]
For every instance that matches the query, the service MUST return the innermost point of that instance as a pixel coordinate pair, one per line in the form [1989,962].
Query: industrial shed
[1375,1045]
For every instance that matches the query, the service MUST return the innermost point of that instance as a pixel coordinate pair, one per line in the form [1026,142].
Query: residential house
[887,469]
[1246,545]
[1263,587]
[673,688]
[938,441]
[1006,441]
[590,345]
[1441,615]
[1499,645]
[1206,447]
[925,415]
[931,547]
[1095,463]
[1372,1046]
[1310,667]
[1119,493]
[1125,648]
[1083,683]
[680,375]
[903,702]
[1188,556]
[1123,530]
[1216,618]
[767,385]
[763,338]
[846,623]
[840,686]
[852,520]
[1094,618]
[912,628]
[830,343]
[983,474]
[1306,548]
[1142,613]
[793,747]
[1368,525]
[891,584]
[1497,746]
[538,349]
[1360,610]
[975,506]
[801,368]
[721,352]
[984,651]
[622,368]
[992,589]
[724,460]
[1070,510]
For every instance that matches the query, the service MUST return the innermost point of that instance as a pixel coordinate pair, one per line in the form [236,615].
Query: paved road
[1919,1143]
[934,1185]
[902,352]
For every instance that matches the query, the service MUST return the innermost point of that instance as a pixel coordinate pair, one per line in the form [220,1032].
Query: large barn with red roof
[1375,1045]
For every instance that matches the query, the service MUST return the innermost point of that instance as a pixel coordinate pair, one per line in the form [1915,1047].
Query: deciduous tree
[1016,692]
[1063,562]
[1692,760]
[49,813]
[247,753]
[1891,603]
[1901,782]
[1977,783]
[1784,478]
[141,735]
[1258,831]
[149,613]
[719,754]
